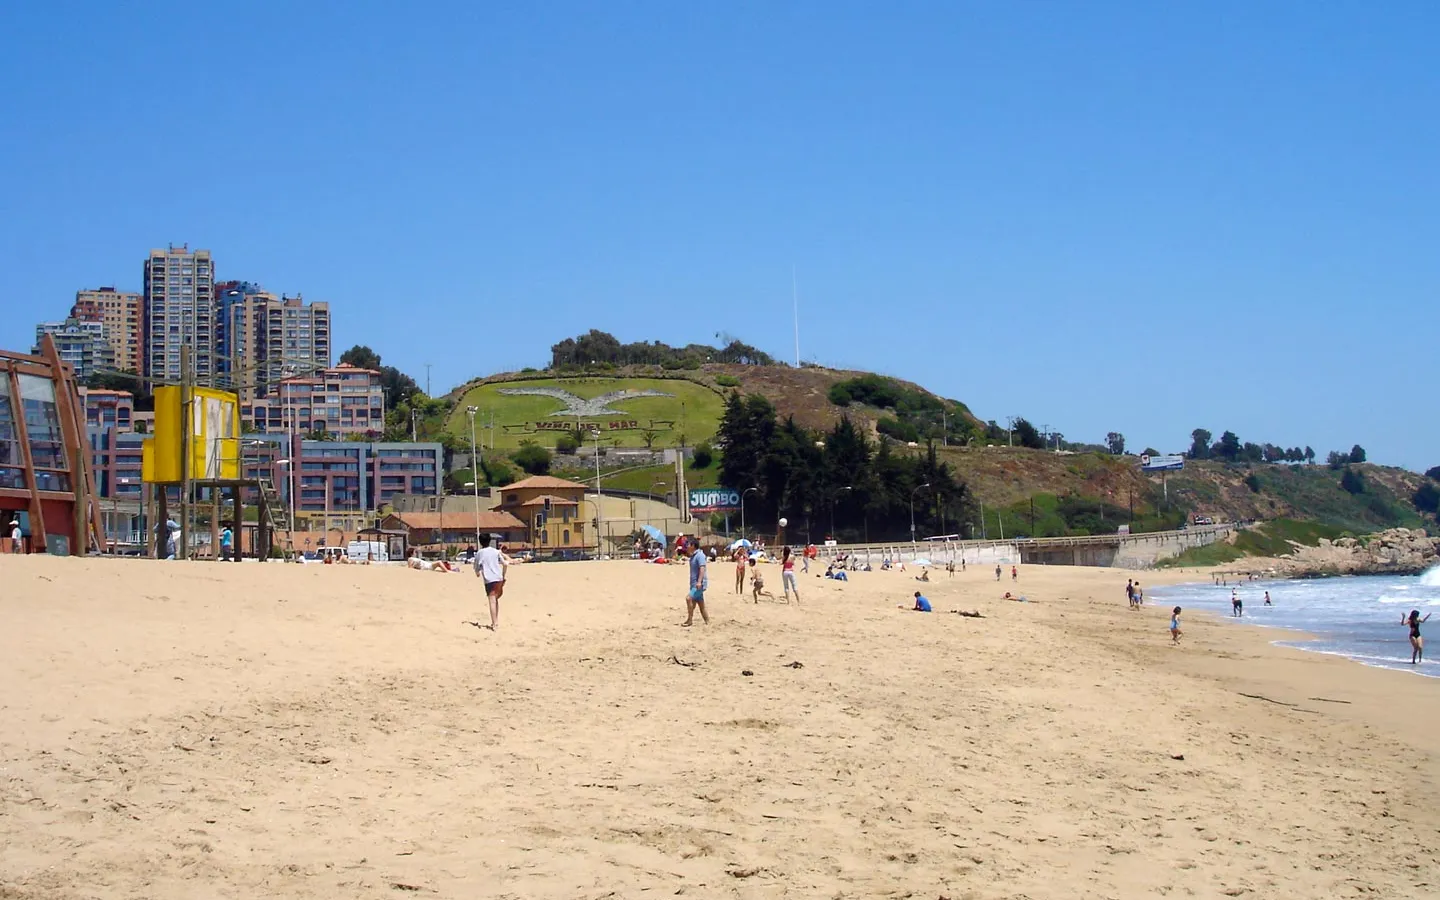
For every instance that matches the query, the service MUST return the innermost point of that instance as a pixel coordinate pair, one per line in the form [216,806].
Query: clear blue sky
[1144,217]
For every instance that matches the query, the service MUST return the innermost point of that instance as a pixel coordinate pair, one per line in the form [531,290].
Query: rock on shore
[1398,551]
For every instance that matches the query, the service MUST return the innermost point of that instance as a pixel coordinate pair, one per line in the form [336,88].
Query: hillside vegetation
[678,400]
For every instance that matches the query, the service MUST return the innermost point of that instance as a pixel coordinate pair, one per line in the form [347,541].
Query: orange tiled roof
[493,519]
[543,481]
[553,500]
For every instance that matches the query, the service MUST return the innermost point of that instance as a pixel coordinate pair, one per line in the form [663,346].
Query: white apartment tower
[179,311]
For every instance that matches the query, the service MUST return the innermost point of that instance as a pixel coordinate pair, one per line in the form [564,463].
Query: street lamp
[838,491]
[742,508]
[650,493]
[475,470]
[913,546]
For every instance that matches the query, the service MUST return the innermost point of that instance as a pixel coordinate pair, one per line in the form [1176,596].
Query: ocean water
[1354,617]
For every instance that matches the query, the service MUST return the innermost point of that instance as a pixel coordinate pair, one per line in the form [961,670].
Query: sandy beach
[174,730]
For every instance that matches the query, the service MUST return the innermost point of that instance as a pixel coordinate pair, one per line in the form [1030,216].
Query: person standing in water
[1237,608]
[1267,599]
[1417,643]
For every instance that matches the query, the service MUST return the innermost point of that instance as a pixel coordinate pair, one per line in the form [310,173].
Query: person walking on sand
[1138,597]
[1130,592]
[1175,631]
[998,571]
[492,567]
[1417,643]
[740,557]
[1237,607]
[699,581]
[787,575]
[1014,573]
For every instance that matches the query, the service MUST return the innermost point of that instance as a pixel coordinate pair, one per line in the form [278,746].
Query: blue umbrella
[741,543]
[654,532]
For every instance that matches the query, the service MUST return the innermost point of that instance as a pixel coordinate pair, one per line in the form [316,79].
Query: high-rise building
[179,310]
[239,347]
[120,313]
[81,344]
[296,340]
[262,339]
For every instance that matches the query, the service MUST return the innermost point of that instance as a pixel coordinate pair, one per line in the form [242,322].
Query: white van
[367,551]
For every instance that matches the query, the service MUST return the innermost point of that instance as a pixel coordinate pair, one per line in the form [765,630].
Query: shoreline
[331,732]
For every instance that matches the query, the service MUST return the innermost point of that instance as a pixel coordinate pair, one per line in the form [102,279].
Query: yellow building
[554,511]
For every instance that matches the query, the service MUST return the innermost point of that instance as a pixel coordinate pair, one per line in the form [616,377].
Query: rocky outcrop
[1398,551]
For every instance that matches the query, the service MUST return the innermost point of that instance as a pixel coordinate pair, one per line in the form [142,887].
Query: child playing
[757,584]
[1175,631]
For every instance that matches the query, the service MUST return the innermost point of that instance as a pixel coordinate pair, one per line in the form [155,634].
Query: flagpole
[795,300]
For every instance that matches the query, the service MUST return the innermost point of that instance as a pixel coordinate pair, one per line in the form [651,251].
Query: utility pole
[599,499]
[1010,431]
[474,471]
[427,381]
[187,389]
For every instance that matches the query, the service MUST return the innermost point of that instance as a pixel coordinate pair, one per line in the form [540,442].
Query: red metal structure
[44,457]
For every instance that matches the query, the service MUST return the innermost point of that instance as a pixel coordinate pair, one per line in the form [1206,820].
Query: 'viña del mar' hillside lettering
[581,407]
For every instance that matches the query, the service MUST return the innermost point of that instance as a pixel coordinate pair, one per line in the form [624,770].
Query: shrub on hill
[532,458]
[1427,498]
[729,381]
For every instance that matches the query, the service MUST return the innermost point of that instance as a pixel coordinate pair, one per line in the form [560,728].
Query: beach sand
[178,730]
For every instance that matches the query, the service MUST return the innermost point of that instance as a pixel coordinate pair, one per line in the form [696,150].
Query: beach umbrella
[741,543]
[922,562]
[653,532]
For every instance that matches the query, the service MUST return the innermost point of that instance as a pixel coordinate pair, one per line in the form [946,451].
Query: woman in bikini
[740,557]
[1417,643]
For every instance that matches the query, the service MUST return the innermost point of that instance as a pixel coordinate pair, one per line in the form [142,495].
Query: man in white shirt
[492,566]
[17,540]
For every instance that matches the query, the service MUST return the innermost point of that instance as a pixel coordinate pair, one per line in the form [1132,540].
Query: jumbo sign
[713,500]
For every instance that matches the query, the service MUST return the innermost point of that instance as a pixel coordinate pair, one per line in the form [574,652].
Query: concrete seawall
[1126,551]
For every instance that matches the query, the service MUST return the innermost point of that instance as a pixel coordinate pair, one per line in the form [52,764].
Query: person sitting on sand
[757,584]
[922,604]
[923,576]
[1417,643]
[1175,631]
[838,576]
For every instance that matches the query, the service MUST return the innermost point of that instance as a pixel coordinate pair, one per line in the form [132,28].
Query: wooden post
[186,485]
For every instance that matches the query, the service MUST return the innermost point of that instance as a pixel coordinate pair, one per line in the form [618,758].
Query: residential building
[342,478]
[81,344]
[343,401]
[115,456]
[296,340]
[179,310]
[553,510]
[238,349]
[120,313]
[437,531]
[262,339]
[41,484]
[108,409]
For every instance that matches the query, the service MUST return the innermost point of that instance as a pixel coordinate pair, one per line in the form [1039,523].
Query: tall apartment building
[239,344]
[262,339]
[179,310]
[296,340]
[81,344]
[120,313]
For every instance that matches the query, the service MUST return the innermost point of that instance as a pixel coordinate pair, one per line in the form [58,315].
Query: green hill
[624,411]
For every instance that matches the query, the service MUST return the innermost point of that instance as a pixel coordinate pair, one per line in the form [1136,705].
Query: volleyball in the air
[784,522]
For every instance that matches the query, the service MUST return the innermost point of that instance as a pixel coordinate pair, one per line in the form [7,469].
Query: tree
[1151,451]
[649,437]
[1427,498]
[1199,444]
[1357,454]
[1433,472]
[1337,459]
[1028,435]
[1310,454]
[1227,448]
[1352,481]
[568,441]
[532,458]
[361,357]
[704,456]
[1115,441]
[1253,483]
